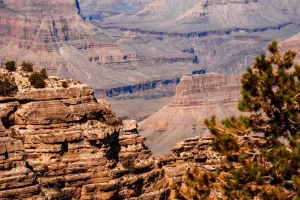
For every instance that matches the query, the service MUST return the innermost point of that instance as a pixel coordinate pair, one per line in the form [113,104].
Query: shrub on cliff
[64,84]
[27,66]
[8,86]
[10,66]
[44,73]
[37,79]
[260,167]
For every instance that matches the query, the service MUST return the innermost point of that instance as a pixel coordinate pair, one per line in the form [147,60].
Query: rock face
[43,31]
[197,97]
[61,143]
[206,89]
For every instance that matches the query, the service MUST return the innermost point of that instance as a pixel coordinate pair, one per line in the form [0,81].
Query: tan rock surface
[61,143]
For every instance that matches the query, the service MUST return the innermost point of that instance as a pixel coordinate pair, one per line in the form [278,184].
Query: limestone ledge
[63,143]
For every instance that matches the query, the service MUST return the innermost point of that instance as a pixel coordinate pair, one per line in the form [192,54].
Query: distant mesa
[197,97]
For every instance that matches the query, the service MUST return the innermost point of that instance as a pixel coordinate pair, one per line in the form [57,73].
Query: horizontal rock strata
[207,89]
[197,97]
[61,143]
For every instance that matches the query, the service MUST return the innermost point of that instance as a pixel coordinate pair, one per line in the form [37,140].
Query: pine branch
[217,193]
[295,96]
[293,122]
[268,177]
[251,153]
[221,181]
[238,136]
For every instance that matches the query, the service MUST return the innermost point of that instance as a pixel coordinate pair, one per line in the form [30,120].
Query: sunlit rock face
[61,143]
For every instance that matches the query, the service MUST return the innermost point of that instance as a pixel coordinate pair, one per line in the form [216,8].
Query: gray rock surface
[197,97]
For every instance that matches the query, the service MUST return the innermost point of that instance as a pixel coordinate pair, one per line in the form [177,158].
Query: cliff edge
[61,143]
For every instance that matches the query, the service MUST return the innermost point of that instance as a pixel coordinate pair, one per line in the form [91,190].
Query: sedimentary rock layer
[52,35]
[61,143]
[197,97]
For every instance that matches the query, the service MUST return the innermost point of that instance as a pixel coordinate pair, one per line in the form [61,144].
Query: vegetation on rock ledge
[8,85]
[10,66]
[259,164]
[27,66]
[37,79]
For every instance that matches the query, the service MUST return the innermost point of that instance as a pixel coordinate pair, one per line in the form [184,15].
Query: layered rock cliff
[197,97]
[53,35]
[61,143]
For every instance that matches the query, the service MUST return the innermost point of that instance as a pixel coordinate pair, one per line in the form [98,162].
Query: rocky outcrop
[196,156]
[61,143]
[207,89]
[197,97]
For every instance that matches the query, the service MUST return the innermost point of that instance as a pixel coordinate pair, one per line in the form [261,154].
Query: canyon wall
[55,35]
[61,143]
[52,35]
[197,97]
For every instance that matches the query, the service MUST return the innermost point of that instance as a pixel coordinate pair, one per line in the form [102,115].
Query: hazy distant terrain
[194,15]
[116,45]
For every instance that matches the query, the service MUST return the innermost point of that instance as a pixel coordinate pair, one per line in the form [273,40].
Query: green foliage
[10,66]
[199,183]
[261,166]
[44,73]
[271,91]
[27,66]
[37,79]
[8,86]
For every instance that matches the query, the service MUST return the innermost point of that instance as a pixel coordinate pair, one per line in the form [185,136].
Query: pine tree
[260,164]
